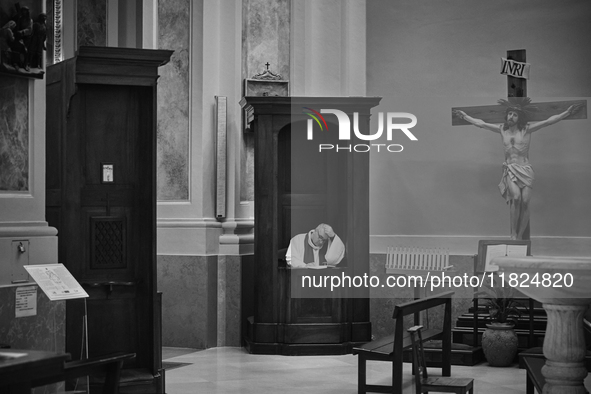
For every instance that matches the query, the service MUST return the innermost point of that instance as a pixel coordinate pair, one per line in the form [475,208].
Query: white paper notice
[502,251]
[25,301]
[491,252]
[56,281]
[517,250]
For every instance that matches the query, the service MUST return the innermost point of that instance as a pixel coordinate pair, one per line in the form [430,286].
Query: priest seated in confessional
[318,247]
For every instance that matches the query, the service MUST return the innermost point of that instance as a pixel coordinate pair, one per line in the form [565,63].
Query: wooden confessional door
[107,219]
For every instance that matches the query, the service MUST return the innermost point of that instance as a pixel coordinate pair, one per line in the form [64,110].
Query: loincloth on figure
[519,174]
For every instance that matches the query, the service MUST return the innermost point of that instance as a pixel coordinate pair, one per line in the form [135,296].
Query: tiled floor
[233,370]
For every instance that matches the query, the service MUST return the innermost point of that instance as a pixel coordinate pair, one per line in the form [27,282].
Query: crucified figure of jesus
[518,174]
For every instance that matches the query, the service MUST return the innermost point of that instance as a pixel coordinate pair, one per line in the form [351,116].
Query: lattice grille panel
[108,243]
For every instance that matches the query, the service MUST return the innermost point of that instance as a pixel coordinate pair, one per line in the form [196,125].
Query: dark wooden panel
[108,316]
[315,333]
[92,196]
[53,197]
[308,310]
[53,136]
[111,132]
[266,211]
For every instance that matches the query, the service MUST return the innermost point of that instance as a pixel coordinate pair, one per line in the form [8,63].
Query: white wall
[426,57]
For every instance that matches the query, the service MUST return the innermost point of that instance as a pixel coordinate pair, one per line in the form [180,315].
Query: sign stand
[59,284]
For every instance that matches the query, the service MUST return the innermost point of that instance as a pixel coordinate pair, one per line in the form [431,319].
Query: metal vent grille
[108,243]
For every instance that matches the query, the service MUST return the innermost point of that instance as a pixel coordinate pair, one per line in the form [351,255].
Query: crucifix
[515,119]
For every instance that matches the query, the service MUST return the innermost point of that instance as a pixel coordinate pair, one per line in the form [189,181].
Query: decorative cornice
[187,223]
[267,75]
[26,229]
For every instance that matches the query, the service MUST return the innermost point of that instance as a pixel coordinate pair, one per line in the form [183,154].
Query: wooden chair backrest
[418,356]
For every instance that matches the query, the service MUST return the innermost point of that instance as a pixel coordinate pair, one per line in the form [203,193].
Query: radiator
[419,261]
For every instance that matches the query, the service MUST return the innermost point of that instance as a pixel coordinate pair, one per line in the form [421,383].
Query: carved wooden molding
[57,31]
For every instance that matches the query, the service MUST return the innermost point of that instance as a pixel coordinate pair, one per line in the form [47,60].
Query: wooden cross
[517,87]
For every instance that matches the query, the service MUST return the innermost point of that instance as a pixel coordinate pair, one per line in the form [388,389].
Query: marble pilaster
[173,102]
[189,300]
[265,34]
[92,22]
[229,292]
[14,134]
[202,303]
[266,38]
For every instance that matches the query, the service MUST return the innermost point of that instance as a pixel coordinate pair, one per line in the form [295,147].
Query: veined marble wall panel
[92,22]
[189,300]
[50,24]
[229,290]
[265,38]
[174,27]
[203,302]
[44,331]
[14,134]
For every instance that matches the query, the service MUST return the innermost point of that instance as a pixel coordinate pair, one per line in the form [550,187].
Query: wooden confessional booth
[297,187]
[101,196]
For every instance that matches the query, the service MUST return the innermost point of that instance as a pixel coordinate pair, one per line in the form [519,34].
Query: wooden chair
[391,348]
[423,382]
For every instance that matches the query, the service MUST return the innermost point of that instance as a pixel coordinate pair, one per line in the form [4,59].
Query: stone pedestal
[565,303]
[564,349]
